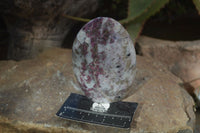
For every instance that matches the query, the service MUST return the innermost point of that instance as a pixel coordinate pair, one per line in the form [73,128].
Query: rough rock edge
[25,127]
[7,126]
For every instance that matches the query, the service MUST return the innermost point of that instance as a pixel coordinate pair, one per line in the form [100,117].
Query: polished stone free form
[104,60]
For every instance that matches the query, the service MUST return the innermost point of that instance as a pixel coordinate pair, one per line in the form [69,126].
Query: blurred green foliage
[197,4]
[138,12]
[134,13]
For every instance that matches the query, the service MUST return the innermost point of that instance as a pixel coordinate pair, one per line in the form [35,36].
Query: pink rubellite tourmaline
[104,60]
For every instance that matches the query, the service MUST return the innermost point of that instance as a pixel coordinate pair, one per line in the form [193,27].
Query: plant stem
[76,18]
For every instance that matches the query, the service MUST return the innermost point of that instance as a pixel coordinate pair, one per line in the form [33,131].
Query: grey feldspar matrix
[104,60]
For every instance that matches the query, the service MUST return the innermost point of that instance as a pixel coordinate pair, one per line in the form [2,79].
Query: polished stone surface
[104,60]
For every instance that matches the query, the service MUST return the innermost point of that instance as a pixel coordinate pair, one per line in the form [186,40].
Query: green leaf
[138,12]
[134,29]
[137,7]
[197,4]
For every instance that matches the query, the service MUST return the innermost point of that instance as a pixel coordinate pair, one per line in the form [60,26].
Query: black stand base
[78,107]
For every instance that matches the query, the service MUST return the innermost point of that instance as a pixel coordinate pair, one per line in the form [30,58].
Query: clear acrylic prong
[100,107]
